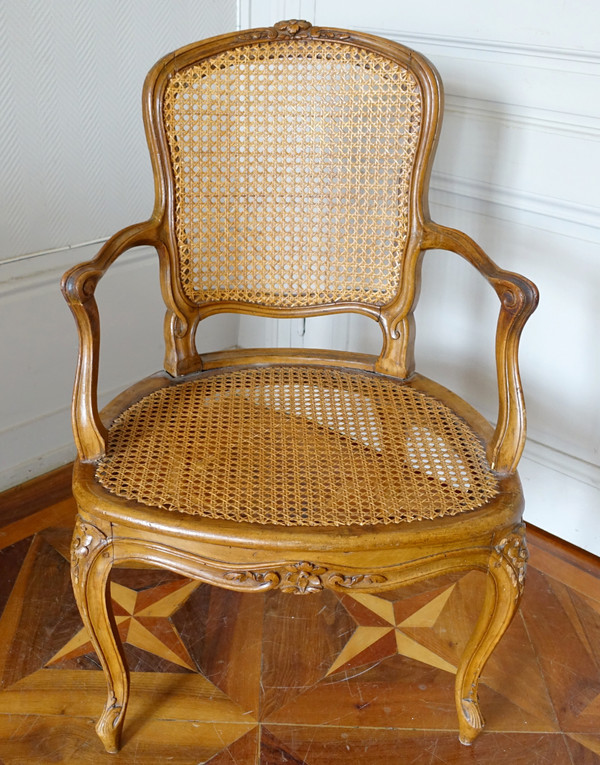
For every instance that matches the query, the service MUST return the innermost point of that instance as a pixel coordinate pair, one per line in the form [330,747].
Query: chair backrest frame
[394,314]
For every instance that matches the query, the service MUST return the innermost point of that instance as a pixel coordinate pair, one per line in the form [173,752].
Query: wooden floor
[276,679]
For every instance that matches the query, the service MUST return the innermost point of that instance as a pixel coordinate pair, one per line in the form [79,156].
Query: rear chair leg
[506,574]
[91,563]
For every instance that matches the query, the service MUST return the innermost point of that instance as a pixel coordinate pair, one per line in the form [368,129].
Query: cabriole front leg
[505,578]
[91,563]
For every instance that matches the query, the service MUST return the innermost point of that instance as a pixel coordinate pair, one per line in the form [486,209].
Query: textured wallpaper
[74,165]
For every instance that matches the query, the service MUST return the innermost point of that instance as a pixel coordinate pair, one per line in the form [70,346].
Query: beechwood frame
[249,557]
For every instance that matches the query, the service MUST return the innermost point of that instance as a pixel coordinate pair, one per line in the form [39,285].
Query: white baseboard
[40,444]
[562,495]
[31,468]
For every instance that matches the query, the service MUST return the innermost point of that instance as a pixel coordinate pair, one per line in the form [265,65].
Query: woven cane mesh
[297,446]
[292,162]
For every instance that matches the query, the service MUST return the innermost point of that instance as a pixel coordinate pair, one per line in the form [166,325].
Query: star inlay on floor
[384,629]
[222,677]
[143,621]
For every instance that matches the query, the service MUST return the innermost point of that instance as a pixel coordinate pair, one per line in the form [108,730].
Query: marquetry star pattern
[143,621]
[386,628]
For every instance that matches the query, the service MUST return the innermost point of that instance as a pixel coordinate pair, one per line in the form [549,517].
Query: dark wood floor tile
[358,692]
[456,621]
[559,549]
[273,751]
[572,575]
[49,617]
[143,578]
[406,606]
[585,615]
[144,661]
[61,515]
[40,614]
[151,641]
[514,672]
[415,590]
[371,746]
[222,630]
[366,647]
[138,661]
[35,739]
[243,751]
[11,559]
[154,695]
[585,749]
[60,539]
[363,615]
[37,494]
[503,714]
[396,692]
[571,673]
[302,637]
[401,693]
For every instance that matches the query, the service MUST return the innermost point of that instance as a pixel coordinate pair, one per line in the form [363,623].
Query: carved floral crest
[296,28]
[292,27]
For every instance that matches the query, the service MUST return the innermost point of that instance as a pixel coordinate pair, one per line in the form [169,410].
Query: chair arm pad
[79,283]
[518,299]
[78,286]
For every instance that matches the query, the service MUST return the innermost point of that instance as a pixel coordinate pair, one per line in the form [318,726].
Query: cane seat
[242,446]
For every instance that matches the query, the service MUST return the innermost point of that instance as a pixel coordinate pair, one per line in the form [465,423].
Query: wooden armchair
[291,167]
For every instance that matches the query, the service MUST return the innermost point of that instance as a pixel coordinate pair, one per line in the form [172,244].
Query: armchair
[291,169]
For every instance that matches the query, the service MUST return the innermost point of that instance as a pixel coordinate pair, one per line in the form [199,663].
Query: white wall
[74,169]
[517,168]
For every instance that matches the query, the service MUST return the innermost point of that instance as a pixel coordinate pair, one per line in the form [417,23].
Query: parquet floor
[228,678]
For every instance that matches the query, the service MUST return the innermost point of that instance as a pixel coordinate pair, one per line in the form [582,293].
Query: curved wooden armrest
[518,299]
[78,286]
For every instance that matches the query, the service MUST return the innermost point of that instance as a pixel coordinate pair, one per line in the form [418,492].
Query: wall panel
[517,169]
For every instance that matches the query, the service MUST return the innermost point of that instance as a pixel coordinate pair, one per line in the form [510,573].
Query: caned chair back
[292,166]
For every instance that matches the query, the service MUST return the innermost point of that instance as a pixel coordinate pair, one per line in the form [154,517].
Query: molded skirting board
[562,495]
[39,463]
[53,443]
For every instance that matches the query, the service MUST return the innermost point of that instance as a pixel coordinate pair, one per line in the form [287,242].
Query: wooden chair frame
[252,557]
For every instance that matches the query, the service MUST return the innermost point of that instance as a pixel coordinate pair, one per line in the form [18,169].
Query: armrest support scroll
[518,299]
[78,287]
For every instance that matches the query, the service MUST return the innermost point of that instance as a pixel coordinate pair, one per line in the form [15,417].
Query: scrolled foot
[470,722]
[109,727]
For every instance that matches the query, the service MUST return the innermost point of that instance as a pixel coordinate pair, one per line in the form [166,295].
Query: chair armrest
[78,286]
[518,299]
